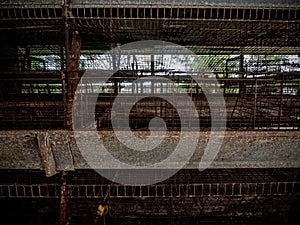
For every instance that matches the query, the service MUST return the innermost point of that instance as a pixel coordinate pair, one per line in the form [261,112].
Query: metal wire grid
[185,183]
[174,23]
[161,190]
[186,12]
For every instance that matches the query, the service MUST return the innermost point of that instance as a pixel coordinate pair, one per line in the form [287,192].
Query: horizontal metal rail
[156,191]
[167,2]
[157,12]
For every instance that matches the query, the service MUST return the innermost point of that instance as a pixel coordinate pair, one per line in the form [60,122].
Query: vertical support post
[64,201]
[71,76]
[62,58]
[27,60]
[242,83]
[152,65]
[226,69]
[115,68]
[116,87]
[141,86]
[152,73]
[255,102]
[71,72]
[67,52]
[281,102]
[65,67]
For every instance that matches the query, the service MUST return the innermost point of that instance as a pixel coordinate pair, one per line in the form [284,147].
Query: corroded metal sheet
[19,149]
[57,150]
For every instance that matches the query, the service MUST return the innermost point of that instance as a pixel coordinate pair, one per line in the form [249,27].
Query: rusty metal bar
[71,76]
[255,104]
[281,102]
[64,201]
[65,74]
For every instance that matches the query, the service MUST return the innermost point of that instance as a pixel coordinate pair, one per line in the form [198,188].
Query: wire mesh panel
[87,184]
[31,88]
[250,47]
[252,194]
[260,93]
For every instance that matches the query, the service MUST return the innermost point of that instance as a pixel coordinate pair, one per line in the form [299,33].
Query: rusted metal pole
[281,102]
[152,67]
[71,72]
[64,201]
[255,102]
[67,56]
[115,67]
[242,74]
